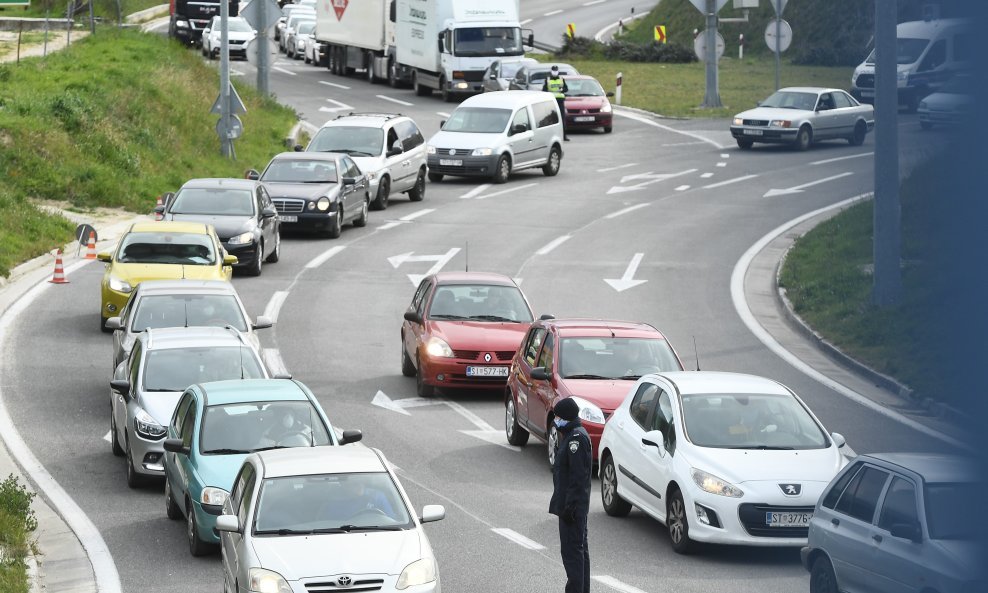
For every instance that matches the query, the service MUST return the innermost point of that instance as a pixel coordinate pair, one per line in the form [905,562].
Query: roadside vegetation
[17,525]
[140,128]
[107,10]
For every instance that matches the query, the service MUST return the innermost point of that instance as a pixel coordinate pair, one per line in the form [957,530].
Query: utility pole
[226,143]
[887,279]
[711,97]
[778,41]
[262,51]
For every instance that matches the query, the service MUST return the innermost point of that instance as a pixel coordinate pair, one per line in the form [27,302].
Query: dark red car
[462,330]
[587,105]
[595,361]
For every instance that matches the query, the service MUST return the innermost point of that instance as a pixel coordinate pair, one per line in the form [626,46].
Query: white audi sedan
[717,457]
[324,519]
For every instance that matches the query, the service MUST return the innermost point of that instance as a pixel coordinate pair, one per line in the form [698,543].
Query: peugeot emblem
[487,357]
[344,581]
[452,152]
[791,489]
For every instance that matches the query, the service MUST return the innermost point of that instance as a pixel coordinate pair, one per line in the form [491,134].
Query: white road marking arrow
[339,107]
[799,188]
[401,406]
[409,256]
[628,279]
[649,178]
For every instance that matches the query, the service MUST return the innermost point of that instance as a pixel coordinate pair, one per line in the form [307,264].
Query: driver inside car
[355,499]
[283,424]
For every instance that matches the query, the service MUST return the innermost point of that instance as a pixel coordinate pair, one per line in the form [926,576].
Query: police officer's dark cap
[567,409]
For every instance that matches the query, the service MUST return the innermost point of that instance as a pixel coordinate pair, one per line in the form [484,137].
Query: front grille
[502,356]
[466,354]
[505,355]
[288,205]
[755,122]
[356,584]
[473,75]
[866,81]
[445,152]
[752,517]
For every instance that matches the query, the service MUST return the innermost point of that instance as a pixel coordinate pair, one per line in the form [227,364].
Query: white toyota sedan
[717,457]
[324,519]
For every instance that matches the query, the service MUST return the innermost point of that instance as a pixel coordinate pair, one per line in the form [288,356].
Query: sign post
[710,8]
[886,246]
[261,14]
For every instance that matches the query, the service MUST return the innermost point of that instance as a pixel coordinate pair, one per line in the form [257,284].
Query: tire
[858,137]
[608,129]
[134,479]
[254,269]
[421,91]
[417,193]
[678,524]
[361,220]
[275,254]
[551,168]
[614,505]
[407,368]
[197,547]
[517,435]
[745,144]
[114,441]
[336,228]
[172,510]
[421,387]
[551,441]
[822,577]
[502,170]
[383,193]
[926,125]
[803,138]
[435,177]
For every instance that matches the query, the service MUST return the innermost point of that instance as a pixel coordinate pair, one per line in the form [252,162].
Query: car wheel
[197,547]
[678,524]
[134,479]
[608,129]
[551,167]
[435,177]
[552,441]
[114,441]
[383,192]
[822,577]
[202,50]
[214,54]
[926,125]
[420,90]
[254,269]
[614,505]
[745,144]
[503,169]
[517,435]
[804,138]
[417,193]
[275,254]
[858,137]
[420,385]
[407,368]
[172,510]
[361,221]
[336,227]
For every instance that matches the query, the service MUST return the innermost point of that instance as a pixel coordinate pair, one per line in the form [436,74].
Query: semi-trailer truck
[358,36]
[189,17]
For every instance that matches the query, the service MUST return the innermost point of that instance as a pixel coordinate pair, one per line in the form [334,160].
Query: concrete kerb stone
[147,14]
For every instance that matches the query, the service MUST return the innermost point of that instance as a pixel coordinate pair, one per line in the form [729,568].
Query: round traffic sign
[700,45]
[231,128]
[785,35]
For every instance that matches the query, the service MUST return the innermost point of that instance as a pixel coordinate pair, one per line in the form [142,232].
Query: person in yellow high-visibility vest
[557,86]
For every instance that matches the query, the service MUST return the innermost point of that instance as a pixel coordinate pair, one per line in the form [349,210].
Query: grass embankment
[105,9]
[132,123]
[17,523]
[8,44]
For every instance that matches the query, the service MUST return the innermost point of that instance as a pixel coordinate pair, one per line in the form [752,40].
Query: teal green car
[215,426]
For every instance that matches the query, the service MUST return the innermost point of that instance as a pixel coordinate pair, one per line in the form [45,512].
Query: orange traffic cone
[59,276]
[91,246]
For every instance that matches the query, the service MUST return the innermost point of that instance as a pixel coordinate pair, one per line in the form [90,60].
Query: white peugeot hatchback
[717,457]
[324,519]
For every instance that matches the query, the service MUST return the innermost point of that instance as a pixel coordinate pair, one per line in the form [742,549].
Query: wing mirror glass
[269,212]
[413,316]
[432,512]
[540,374]
[518,129]
[395,149]
[175,446]
[228,523]
[609,94]
[351,436]
[297,148]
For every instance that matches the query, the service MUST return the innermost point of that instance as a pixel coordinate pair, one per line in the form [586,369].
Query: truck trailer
[356,36]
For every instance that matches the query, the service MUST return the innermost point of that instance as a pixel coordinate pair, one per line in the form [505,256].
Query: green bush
[586,48]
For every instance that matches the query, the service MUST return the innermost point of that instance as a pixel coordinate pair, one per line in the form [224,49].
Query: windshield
[174,369]
[480,302]
[215,202]
[943,500]
[487,41]
[907,50]
[185,310]
[238,25]
[300,171]
[791,100]
[352,140]
[330,503]
[615,358]
[480,120]
[167,248]
[583,87]
[255,426]
[750,421]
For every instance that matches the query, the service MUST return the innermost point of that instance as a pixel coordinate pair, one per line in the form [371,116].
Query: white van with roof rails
[928,53]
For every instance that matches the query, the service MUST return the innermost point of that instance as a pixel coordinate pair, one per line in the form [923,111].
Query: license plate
[451,162]
[788,519]
[285,218]
[487,371]
[584,118]
[753,132]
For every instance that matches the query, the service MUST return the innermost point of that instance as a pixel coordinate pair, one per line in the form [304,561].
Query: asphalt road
[678,192]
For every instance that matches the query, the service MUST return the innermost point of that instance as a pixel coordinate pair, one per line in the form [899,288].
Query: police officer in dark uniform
[571,494]
[557,86]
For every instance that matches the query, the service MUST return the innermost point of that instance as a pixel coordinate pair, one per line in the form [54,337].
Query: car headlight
[714,485]
[430,149]
[242,239]
[120,285]
[148,427]
[420,572]
[439,348]
[182,24]
[780,123]
[481,152]
[323,204]
[738,121]
[267,581]
[214,496]
[606,107]
[589,411]
[371,176]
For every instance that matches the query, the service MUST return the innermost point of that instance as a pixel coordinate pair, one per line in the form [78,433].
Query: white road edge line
[624,166]
[272,360]
[613,583]
[625,210]
[282,70]
[507,191]
[729,181]
[417,214]
[339,86]
[525,22]
[599,35]
[325,255]
[393,100]
[649,122]
[552,245]
[744,312]
[842,158]
[516,537]
[274,305]
[475,191]
[824,180]
[104,569]
[552,12]
[389,225]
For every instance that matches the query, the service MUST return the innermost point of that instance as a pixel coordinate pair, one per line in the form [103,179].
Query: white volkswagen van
[928,53]
[493,134]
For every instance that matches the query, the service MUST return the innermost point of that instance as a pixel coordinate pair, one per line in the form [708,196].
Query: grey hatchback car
[897,523]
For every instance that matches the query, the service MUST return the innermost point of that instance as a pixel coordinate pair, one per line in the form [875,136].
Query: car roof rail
[386,116]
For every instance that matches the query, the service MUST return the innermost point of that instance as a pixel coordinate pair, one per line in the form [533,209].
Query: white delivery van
[928,53]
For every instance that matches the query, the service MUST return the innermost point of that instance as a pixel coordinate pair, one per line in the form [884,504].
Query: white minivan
[493,134]
[928,54]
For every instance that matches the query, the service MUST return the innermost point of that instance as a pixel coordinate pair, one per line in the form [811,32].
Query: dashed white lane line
[525,22]
[725,155]
[475,191]
[474,419]
[624,211]
[283,71]
[443,114]
[325,255]
[507,191]
[389,225]
[417,214]
[613,583]
[552,245]
[594,2]
[682,188]
[333,84]
[706,175]
[274,305]
[272,360]
[842,158]
[516,537]
[624,166]
[721,164]
[729,181]
[552,12]
[393,100]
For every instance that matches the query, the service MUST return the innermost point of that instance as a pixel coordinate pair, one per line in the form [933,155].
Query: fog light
[440,377]
[706,516]
[461,85]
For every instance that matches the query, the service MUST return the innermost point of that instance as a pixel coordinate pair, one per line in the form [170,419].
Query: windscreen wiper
[285,532]
[765,447]
[587,376]
[224,452]
[349,528]
[271,447]
[492,318]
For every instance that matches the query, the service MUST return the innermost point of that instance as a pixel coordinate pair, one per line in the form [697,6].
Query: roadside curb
[146,14]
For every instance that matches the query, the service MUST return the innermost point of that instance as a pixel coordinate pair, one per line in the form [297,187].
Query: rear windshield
[213,201]
[351,140]
[185,310]
[300,171]
[175,369]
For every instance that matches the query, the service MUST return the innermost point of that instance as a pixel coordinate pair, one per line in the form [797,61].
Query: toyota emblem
[452,152]
[344,581]
[487,357]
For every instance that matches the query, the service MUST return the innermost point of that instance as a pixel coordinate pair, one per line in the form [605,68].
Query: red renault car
[594,361]
[587,105]
[461,331]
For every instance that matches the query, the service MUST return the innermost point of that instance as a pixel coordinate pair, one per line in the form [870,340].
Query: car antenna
[696,354]
[466,256]
[241,349]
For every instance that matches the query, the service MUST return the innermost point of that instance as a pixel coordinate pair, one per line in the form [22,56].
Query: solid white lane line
[474,419]
[625,210]
[682,188]
[525,22]
[729,181]
[722,164]
[417,214]
[443,113]
[393,100]
[613,583]
[516,537]
[655,124]
[333,84]
[706,175]
[507,191]
[389,225]
[624,166]
[842,158]
[325,255]
[744,312]
[683,144]
[272,360]
[552,245]
[552,12]
[283,71]
[475,191]
[274,305]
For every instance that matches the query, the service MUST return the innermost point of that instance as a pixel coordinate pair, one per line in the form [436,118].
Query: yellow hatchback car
[160,251]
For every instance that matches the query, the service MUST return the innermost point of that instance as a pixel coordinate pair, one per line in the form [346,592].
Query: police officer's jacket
[571,471]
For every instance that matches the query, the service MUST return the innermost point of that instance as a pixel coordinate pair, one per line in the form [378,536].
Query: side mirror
[609,94]
[114,323]
[531,40]
[298,148]
[442,124]
[175,446]
[909,531]
[230,260]
[252,174]
[269,212]
[493,76]
[121,386]
[262,322]
[518,129]
[349,180]
[839,439]
[546,316]
[654,438]
[395,149]
[351,436]
[228,523]
[413,316]
[432,512]
[541,374]
[104,256]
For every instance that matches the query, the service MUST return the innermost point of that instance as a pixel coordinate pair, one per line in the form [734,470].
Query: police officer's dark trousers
[576,553]
[562,112]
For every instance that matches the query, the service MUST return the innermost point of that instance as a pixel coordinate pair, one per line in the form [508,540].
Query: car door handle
[877,538]
[836,522]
